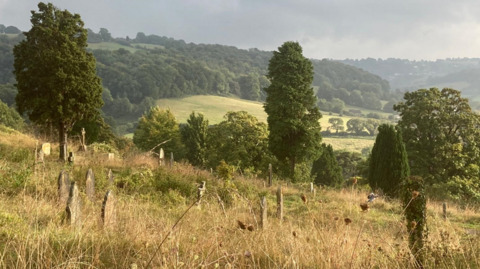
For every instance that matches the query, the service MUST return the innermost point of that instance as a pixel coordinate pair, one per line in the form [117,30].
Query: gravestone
[311,187]
[63,188]
[110,156]
[171,159]
[46,149]
[71,158]
[40,157]
[109,216]
[263,216]
[90,182]
[280,203]
[73,209]
[110,178]
[201,191]
[161,157]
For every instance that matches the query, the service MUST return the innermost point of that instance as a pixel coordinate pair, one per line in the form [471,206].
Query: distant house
[356,112]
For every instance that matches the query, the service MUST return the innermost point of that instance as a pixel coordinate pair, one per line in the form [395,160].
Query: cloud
[414,29]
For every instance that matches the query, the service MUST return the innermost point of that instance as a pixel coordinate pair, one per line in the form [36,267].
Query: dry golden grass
[312,235]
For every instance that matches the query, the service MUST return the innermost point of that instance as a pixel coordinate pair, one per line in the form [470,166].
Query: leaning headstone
[46,149]
[90,182]
[73,209]
[263,206]
[63,188]
[109,216]
[110,178]
[279,203]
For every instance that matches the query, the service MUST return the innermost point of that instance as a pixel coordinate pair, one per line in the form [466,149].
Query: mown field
[159,225]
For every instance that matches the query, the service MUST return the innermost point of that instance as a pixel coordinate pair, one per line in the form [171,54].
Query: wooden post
[269,174]
[263,216]
[279,203]
[445,210]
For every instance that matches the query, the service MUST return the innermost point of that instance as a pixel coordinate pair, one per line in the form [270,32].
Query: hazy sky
[338,29]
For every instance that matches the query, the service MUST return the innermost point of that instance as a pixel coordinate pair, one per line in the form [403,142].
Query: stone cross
[63,188]
[83,147]
[74,210]
[90,182]
[279,203]
[263,216]
[269,174]
[109,216]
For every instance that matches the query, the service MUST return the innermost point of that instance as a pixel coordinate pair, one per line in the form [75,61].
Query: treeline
[163,67]
[406,74]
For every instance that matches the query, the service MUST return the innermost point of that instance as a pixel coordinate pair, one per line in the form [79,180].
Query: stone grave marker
[90,182]
[63,187]
[71,158]
[110,156]
[109,216]
[263,215]
[110,178]
[46,149]
[171,159]
[161,157]
[74,210]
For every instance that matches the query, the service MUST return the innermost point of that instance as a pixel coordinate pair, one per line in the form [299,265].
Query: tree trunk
[292,166]
[62,132]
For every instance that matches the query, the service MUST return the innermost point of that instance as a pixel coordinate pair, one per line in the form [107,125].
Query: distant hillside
[412,75]
[137,71]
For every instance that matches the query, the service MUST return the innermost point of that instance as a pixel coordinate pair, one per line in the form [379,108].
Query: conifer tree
[326,170]
[56,77]
[388,163]
[194,137]
[293,116]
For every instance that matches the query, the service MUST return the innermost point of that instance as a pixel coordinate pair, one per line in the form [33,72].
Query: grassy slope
[214,107]
[313,235]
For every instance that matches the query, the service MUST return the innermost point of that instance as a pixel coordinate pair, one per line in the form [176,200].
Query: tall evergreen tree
[293,116]
[388,163]
[56,76]
[326,170]
[194,137]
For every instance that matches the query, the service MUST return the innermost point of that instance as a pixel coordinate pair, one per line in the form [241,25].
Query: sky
[334,29]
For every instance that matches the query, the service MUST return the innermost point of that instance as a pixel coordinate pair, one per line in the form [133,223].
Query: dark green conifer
[326,170]
[388,162]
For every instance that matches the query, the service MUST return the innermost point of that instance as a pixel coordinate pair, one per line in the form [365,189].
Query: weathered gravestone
[71,158]
[161,157]
[46,149]
[74,210]
[280,203]
[109,216]
[269,174]
[83,146]
[263,207]
[171,159]
[63,188]
[90,182]
[110,178]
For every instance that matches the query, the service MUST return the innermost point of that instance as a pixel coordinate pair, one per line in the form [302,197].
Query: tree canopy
[56,76]
[194,137]
[293,116]
[326,170]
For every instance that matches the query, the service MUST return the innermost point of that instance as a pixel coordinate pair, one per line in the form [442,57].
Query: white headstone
[46,148]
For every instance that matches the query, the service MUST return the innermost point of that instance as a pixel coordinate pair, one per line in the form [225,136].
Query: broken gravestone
[63,188]
[73,209]
[90,182]
[109,217]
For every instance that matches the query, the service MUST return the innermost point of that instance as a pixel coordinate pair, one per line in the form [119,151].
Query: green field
[109,46]
[147,46]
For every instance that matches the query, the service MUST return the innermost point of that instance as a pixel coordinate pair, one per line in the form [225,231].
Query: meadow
[159,225]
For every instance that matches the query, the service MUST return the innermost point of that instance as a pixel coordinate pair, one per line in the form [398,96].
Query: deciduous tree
[337,124]
[56,76]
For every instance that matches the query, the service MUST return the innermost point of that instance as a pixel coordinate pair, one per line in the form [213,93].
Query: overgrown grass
[150,199]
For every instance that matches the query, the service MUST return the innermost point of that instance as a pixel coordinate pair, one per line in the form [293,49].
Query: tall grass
[150,200]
